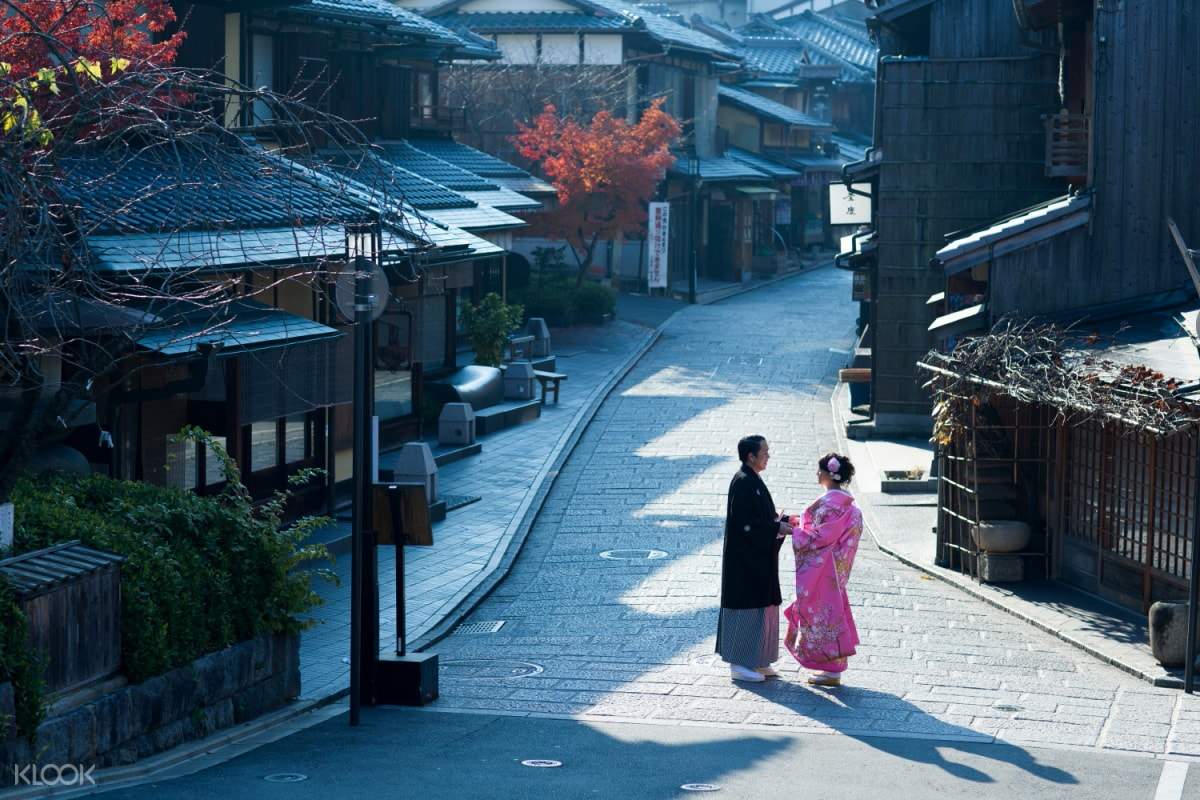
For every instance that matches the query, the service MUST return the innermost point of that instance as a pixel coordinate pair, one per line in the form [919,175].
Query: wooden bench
[550,383]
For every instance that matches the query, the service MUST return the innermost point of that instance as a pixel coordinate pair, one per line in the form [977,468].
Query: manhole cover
[633,555]
[479,627]
[541,763]
[700,787]
[489,669]
[285,777]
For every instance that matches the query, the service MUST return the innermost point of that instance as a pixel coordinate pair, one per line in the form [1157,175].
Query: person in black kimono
[748,628]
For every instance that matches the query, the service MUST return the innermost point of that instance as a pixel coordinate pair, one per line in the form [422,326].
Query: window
[297,442]
[393,365]
[264,446]
[262,61]
[424,96]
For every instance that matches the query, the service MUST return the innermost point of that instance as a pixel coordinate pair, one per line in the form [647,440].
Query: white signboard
[657,240]
[849,208]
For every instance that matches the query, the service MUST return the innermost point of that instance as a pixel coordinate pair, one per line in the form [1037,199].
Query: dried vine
[1060,368]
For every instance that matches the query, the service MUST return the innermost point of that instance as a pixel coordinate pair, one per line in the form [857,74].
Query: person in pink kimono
[821,633]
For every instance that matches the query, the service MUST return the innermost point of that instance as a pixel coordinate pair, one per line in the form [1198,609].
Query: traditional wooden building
[958,140]
[1113,500]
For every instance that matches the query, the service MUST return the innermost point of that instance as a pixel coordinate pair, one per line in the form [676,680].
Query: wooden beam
[1188,255]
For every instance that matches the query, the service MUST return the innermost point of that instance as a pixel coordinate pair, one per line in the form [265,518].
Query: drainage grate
[633,555]
[480,627]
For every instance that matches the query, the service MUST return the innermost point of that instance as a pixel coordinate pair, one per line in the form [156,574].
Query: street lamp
[362,252]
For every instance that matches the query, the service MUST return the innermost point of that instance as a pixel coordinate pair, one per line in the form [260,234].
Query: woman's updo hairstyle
[837,467]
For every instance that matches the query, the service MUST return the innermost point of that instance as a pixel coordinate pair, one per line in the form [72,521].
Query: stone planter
[1168,633]
[215,691]
[896,481]
[1001,536]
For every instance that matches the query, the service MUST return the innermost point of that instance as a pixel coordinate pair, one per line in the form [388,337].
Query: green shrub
[20,665]
[591,302]
[201,573]
[488,325]
[550,302]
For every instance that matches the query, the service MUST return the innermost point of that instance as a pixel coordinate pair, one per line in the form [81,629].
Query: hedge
[201,573]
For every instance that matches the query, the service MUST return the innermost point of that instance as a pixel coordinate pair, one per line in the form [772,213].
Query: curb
[937,573]
[518,530]
[743,289]
[498,568]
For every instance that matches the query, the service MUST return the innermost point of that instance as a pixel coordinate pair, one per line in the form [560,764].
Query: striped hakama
[749,637]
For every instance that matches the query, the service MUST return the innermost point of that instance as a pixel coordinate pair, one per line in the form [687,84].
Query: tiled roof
[404,155]
[781,59]
[667,31]
[532,21]
[504,199]
[387,181]
[528,184]
[468,158]
[600,15]
[775,169]
[395,18]
[476,218]
[835,37]
[240,325]
[721,168]
[989,242]
[850,150]
[194,189]
[769,108]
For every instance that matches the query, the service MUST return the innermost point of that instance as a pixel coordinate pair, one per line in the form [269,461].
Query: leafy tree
[605,173]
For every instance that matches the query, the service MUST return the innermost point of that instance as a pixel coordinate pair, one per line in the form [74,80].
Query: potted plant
[488,326]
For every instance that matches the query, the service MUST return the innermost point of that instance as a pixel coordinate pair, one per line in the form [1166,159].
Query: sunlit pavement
[609,619]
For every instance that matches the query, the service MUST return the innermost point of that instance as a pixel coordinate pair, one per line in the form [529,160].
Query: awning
[956,323]
[757,191]
[1014,233]
[237,327]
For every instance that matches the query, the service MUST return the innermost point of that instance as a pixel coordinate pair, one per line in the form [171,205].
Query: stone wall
[213,692]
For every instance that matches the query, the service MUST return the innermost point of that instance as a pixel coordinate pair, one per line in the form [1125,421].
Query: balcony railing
[438,118]
[1068,145]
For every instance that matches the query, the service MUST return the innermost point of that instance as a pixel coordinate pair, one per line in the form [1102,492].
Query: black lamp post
[362,251]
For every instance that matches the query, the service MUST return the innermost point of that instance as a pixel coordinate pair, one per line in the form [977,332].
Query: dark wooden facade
[1140,99]
[962,142]
[958,121]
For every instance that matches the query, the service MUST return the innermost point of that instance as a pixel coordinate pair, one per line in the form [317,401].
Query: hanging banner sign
[657,241]
[849,208]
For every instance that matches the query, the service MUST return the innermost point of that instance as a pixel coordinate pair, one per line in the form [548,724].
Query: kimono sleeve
[743,514]
[822,528]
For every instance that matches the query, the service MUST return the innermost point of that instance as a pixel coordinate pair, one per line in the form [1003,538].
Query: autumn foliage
[36,34]
[605,173]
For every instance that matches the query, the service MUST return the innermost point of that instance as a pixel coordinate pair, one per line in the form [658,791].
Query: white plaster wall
[603,49]
[560,48]
[518,48]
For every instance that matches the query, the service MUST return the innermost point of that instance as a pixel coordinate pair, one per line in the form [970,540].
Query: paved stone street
[471,538]
[618,635]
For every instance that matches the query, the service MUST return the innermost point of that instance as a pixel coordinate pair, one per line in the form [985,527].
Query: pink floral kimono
[821,632]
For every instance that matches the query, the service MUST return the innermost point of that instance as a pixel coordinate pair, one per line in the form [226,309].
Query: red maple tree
[40,34]
[605,173]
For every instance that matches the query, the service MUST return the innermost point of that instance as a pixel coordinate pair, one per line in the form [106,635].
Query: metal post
[1189,655]
[694,202]
[401,615]
[362,319]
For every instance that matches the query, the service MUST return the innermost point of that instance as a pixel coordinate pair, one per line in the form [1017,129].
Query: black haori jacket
[750,560]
